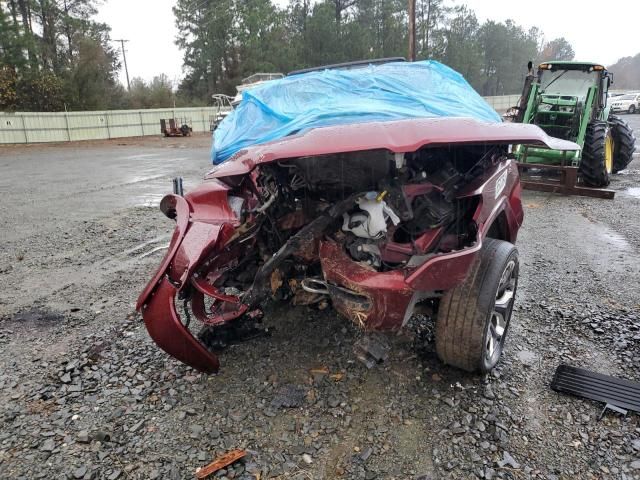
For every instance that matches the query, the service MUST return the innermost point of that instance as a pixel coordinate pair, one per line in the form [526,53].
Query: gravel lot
[84,392]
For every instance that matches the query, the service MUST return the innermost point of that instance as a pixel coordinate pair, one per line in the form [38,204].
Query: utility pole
[124,56]
[412,30]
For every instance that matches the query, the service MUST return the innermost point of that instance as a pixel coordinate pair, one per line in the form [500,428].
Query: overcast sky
[599,31]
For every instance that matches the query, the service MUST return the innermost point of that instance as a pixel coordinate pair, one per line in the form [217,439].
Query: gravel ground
[84,392]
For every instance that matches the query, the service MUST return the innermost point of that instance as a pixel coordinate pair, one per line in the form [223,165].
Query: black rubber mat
[595,386]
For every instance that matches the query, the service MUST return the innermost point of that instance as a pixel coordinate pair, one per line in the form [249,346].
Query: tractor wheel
[624,143]
[473,318]
[597,156]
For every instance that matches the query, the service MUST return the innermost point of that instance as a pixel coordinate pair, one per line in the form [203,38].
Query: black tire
[632,109]
[466,315]
[593,166]
[624,143]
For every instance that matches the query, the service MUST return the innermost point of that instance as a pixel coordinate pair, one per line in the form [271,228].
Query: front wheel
[473,318]
[597,155]
[624,143]
[632,109]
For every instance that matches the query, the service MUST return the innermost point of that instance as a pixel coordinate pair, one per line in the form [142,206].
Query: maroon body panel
[377,300]
[166,329]
[387,292]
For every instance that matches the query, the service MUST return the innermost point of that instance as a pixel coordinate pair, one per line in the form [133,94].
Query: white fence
[37,127]
[503,103]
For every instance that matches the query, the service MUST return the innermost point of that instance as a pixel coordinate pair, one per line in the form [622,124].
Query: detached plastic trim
[596,386]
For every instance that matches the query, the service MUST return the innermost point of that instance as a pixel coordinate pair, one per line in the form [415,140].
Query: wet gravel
[85,394]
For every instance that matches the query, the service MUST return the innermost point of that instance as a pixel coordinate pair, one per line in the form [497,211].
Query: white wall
[36,127]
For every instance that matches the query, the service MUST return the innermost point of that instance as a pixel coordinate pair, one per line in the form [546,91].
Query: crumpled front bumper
[191,242]
[166,329]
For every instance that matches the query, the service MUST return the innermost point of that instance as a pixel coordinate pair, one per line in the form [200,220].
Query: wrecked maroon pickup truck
[376,217]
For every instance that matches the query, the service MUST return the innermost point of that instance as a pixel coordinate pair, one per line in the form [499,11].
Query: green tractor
[568,100]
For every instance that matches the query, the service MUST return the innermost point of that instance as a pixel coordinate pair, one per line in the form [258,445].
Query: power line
[124,56]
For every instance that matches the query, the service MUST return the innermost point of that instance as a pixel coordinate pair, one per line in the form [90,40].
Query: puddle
[37,318]
[151,201]
[140,156]
[615,239]
[633,191]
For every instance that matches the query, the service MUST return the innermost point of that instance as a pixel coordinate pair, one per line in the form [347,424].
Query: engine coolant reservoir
[371,221]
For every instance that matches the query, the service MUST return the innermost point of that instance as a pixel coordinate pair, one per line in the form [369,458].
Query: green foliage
[8,95]
[505,50]
[626,73]
[157,94]
[557,49]
[90,79]
[226,40]
[40,92]
[59,56]
[35,91]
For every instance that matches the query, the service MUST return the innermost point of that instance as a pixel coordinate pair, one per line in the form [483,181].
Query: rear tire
[473,318]
[593,166]
[624,143]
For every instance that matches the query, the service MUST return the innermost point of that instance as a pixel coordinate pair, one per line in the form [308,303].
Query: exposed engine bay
[381,212]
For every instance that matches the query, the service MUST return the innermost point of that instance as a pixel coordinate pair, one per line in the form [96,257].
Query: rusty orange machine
[176,127]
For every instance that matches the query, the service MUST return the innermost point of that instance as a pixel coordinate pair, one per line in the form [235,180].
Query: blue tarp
[390,91]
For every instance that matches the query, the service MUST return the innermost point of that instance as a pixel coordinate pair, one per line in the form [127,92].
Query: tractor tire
[624,143]
[473,318]
[593,167]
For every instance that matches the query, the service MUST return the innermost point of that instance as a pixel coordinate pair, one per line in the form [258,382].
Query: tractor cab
[563,95]
[568,100]
[565,88]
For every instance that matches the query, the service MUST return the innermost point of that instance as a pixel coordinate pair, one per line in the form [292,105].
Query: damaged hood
[398,136]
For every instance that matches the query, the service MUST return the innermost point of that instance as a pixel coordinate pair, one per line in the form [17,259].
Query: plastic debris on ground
[391,91]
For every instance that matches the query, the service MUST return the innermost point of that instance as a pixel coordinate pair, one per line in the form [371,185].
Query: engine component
[371,221]
[341,174]
[430,211]
[363,250]
[315,285]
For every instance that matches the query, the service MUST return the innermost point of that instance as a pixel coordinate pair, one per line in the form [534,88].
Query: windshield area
[626,97]
[575,83]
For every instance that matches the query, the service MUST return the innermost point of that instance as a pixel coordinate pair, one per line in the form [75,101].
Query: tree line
[226,40]
[626,73]
[54,55]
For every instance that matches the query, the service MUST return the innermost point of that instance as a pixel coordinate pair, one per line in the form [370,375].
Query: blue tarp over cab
[391,91]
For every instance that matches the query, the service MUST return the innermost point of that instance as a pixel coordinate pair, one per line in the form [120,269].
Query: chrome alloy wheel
[501,313]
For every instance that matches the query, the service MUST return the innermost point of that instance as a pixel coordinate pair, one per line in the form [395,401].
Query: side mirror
[604,90]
